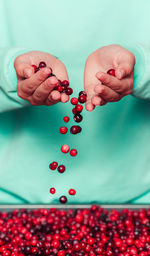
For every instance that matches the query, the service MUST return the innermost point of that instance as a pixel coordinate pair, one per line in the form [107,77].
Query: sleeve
[9,99]
[141,85]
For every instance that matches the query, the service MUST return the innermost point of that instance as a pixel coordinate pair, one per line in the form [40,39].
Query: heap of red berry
[81,232]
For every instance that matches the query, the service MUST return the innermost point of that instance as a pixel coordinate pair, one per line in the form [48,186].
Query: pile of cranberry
[81,232]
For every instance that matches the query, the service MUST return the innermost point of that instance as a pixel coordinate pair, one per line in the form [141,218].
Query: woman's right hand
[37,87]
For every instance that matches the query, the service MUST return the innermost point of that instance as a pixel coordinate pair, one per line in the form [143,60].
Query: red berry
[75,129]
[111,72]
[59,88]
[63,199]
[72,192]
[74,101]
[35,68]
[55,243]
[53,166]
[65,148]
[69,91]
[74,111]
[82,93]
[82,98]
[61,253]
[65,82]
[42,64]
[52,190]
[63,130]
[66,119]
[73,152]
[79,108]
[78,118]
[61,168]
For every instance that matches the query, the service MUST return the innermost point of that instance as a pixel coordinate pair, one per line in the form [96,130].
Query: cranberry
[42,64]
[35,68]
[79,108]
[53,165]
[59,88]
[61,168]
[65,148]
[78,118]
[69,91]
[65,82]
[82,98]
[75,129]
[111,72]
[74,111]
[74,101]
[82,93]
[52,190]
[63,199]
[63,130]
[73,152]
[66,119]
[72,192]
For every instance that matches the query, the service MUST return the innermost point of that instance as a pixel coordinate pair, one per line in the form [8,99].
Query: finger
[55,95]
[64,98]
[50,101]
[107,93]
[98,101]
[24,70]
[112,82]
[43,90]
[125,67]
[90,81]
[29,86]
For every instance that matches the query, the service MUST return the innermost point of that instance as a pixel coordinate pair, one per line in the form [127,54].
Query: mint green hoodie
[113,164]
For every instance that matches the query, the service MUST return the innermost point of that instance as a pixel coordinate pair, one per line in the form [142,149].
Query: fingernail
[27,72]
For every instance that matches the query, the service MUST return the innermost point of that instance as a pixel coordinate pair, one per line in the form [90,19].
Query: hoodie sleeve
[141,85]
[9,99]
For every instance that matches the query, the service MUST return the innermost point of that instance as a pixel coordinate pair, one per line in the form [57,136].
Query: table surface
[5,207]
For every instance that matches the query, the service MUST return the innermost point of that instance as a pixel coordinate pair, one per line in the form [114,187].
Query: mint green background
[113,164]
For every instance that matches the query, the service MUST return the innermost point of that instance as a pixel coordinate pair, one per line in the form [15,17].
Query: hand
[101,87]
[37,88]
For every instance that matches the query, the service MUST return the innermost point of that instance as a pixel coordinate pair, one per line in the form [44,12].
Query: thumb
[24,70]
[123,70]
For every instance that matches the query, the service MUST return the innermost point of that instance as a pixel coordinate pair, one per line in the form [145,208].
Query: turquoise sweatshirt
[113,164]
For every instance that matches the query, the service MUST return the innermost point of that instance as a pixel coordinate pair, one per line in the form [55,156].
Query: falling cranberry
[74,101]
[53,165]
[66,119]
[111,72]
[72,192]
[75,129]
[52,190]
[79,108]
[69,91]
[63,130]
[61,168]
[42,64]
[63,199]
[73,152]
[82,98]
[74,111]
[65,148]
[78,118]
[82,93]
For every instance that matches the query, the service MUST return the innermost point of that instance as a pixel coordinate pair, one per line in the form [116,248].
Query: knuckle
[37,97]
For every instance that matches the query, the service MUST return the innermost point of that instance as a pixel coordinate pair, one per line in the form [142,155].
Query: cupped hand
[38,87]
[101,87]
